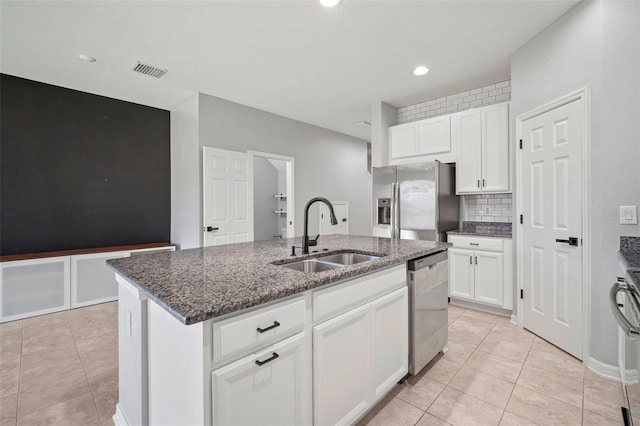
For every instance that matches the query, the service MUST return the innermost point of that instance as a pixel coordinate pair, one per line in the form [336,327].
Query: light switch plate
[628,215]
[486,210]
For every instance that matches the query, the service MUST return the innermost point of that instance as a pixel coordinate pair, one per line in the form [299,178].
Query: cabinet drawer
[477,243]
[251,330]
[335,300]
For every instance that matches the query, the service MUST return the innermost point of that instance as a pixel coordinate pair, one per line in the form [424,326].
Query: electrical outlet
[486,210]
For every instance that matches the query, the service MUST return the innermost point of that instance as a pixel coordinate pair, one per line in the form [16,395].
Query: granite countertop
[492,234]
[629,253]
[199,284]
[484,229]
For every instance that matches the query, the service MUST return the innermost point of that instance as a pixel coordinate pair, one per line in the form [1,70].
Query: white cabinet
[391,340]
[342,363]
[476,275]
[461,273]
[264,388]
[34,287]
[324,357]
[92,281]
[422,140]
[481,269]
[482,139]
[403,140]
[49,284]
[358,357]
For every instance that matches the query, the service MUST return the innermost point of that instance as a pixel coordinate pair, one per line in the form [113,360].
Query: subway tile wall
[499,205]
[487,95]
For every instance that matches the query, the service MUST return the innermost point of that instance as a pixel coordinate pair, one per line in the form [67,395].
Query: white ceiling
[292,58]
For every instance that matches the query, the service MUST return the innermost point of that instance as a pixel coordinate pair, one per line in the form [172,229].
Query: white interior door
[551,176]
[227,182]
[341,209]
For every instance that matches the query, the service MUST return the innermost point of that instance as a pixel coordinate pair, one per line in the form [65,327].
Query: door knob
[572,241]
[210,229]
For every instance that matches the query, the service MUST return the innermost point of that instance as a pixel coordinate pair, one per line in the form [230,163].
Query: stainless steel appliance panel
[625,305]
[417,200]
[428,279]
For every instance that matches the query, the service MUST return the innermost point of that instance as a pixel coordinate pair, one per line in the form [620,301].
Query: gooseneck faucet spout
[305,236]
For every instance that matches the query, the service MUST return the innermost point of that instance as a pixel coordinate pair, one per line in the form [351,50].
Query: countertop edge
[239,307]
[482,235]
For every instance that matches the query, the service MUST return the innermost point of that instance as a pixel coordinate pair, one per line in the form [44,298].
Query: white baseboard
[480,307]
[608,371]
[119,419]
[514,319]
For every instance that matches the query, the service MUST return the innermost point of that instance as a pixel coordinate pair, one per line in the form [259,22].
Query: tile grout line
[93,397]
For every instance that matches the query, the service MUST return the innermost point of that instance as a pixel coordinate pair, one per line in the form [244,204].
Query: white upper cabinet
[423,140]
[403,140]
[482,138]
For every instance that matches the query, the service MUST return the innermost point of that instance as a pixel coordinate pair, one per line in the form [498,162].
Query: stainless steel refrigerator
[415,201]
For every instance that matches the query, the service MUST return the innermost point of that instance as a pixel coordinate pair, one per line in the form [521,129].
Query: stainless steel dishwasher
[428,279]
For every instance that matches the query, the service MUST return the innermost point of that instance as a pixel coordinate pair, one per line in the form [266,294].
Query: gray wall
[265,186]
[327,163]
[596,44]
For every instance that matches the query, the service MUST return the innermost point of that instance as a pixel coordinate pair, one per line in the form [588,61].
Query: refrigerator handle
[395,232]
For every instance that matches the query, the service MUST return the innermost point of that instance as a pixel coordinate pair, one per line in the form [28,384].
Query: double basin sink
[329,262]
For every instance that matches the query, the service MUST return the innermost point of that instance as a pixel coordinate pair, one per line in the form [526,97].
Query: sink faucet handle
[313,242]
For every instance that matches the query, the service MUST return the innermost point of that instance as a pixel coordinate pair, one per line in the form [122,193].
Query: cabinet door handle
[273,356]
[483,184]
[470,260]
[478,183]
[476,260]
[271,327]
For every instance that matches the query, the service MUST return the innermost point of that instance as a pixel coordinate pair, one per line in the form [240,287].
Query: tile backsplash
[482,96]
[488,208]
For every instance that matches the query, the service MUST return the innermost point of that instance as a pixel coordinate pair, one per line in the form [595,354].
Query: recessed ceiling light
[421,70]
[330,3]
[87,58]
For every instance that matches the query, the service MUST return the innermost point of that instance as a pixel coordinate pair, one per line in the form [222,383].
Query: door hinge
[520,143]
[521,293]
[521,219]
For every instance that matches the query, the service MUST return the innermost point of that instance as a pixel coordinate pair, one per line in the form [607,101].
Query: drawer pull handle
[474,244]
[271,327]
[261,363]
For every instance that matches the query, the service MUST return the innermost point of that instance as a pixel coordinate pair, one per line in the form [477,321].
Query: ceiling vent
[147,69]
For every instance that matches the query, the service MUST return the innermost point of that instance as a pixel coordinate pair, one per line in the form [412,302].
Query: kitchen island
[228,335]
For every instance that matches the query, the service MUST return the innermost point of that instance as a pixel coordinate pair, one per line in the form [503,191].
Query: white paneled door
[551,176]
[341,210]
[227,197]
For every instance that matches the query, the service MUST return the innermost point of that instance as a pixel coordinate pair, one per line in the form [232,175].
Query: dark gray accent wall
[79,170]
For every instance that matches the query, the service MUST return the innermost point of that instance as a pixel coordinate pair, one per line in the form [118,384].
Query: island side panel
[132,406]
[176,370]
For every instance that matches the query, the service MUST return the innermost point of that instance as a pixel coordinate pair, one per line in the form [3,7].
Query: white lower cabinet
[482,274]
[391,340]
[324,357]
[342,360]
[44,285]
[33,287]
[358,357]
[489,278]
[265,388]
[92,281]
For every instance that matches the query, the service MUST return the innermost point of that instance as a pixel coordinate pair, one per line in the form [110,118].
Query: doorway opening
[273,196]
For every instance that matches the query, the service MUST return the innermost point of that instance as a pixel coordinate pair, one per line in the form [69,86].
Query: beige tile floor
[62,369]
[497,374]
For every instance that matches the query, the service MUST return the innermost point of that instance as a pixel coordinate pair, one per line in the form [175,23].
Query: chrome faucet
[305,236]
